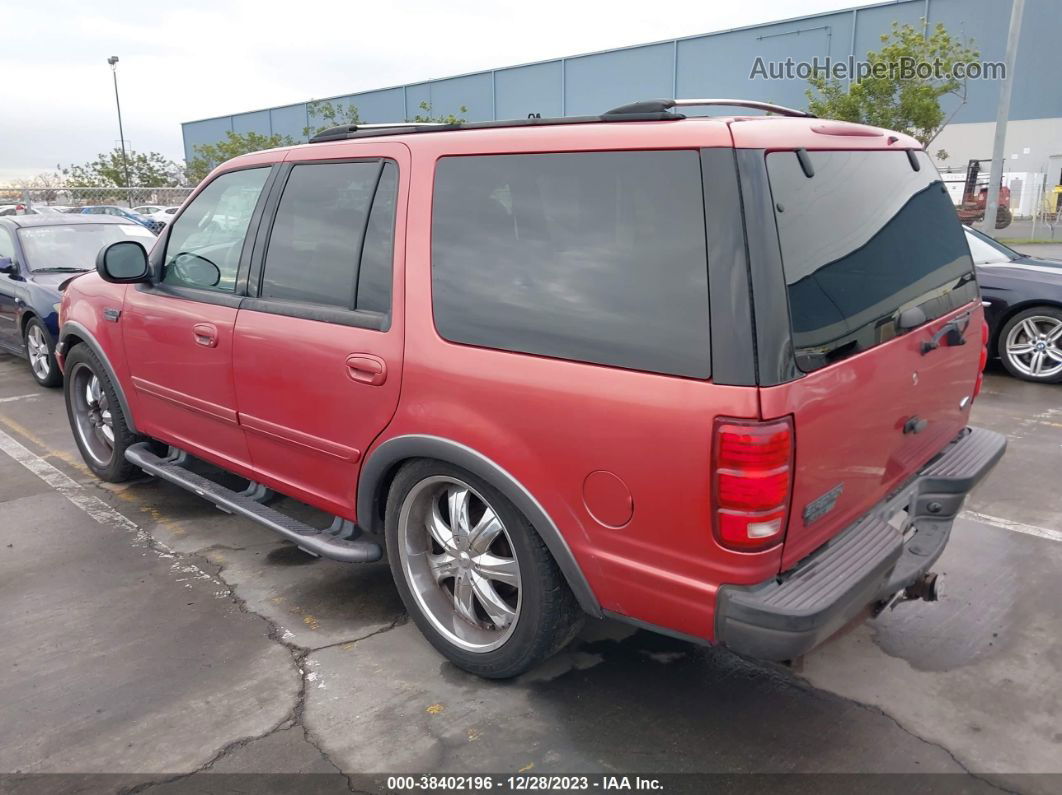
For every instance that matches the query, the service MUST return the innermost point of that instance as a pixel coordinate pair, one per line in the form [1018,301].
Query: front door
[318,352]
[179,331]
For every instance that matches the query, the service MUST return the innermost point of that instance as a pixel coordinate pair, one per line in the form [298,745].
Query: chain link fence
[74,198]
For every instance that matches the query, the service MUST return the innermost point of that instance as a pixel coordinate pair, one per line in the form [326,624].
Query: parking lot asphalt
[145,633]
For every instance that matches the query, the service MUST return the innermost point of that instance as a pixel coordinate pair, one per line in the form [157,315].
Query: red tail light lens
[752,466]
[984,359]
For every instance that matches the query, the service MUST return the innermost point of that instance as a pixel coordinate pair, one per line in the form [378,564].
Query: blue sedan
[37,254]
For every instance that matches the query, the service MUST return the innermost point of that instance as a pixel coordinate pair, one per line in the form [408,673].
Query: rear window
[596,257]
[862,240]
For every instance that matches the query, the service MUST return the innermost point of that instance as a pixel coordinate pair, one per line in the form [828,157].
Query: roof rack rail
[664,105]
[344,130]
[348,131]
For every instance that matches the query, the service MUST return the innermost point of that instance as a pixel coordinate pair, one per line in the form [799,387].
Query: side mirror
[7,265]
[123,262]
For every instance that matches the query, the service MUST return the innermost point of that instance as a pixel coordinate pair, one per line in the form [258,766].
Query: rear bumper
[789,615]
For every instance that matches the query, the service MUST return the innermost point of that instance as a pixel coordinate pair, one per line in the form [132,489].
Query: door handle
[366,369]
[206,334]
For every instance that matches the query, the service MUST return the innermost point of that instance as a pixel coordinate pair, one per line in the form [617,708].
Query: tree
[234,144]
[897,92]
[47,184]
[108,170]
[425,117]
[323,114]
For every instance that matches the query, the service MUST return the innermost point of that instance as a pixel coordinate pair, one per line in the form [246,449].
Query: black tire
[1017,365]
[80,364]
[53,377]
[1003,217]
[548,614]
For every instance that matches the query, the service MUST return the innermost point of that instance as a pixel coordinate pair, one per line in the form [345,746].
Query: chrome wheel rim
[460,563]
[93,420]
[1034,346]
[37,349]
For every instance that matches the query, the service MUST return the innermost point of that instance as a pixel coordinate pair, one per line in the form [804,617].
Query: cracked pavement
[162,642]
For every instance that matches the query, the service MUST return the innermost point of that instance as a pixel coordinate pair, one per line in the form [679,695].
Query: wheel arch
[73,334]
[383,464]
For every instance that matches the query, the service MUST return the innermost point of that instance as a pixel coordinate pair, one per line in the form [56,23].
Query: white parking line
[1017,527]
[19,397]
[105,514]
[65,485]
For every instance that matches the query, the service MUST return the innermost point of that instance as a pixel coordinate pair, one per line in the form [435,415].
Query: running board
[309,539]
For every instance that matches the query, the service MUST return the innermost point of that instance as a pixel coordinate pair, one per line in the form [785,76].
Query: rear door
[875,265]
[318,350]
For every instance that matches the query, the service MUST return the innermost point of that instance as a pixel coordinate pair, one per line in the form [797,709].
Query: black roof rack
[663,105]
[404,128]
[650,110]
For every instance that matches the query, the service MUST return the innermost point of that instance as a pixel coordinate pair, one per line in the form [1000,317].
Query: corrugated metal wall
[715,64]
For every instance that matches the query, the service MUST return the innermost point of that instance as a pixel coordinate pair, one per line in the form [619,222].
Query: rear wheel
[96,417]
[472,572]
[41,354]
[1030,344]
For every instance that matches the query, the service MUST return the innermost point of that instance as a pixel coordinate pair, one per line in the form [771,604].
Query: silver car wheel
[37,350]
[460,563]
[92,414]
[1034,346]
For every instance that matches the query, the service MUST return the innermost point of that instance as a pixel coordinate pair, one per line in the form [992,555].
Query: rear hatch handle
[951,333]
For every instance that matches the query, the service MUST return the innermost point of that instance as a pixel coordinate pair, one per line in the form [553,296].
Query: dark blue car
[37,254]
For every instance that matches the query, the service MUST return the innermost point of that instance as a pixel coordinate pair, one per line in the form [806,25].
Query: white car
[17,209]
[161,214]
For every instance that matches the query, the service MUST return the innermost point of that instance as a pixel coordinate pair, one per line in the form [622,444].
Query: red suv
[709,375]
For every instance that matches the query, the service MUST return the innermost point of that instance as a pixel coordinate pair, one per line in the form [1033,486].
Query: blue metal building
[719,64]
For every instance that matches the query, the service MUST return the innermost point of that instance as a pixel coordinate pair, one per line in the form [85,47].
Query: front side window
[203,249]
[7,245]
[592,256]
[862,239]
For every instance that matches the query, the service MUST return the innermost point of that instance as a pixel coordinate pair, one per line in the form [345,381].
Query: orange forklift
[975,197]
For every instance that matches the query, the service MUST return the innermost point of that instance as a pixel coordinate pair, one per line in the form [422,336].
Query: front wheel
[1030,344]
[96,417]
[475,576]
[41,354]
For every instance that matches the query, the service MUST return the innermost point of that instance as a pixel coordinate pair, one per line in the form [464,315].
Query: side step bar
[309,539]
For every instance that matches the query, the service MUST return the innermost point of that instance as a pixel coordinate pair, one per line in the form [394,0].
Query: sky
[182,60]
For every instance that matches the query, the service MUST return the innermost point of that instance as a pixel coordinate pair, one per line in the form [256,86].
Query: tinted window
[863,239]
[598,257]
[377,256]
[316,238]
[211,231]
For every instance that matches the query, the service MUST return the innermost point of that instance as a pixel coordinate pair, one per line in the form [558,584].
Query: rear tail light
[984,359]
[752,466]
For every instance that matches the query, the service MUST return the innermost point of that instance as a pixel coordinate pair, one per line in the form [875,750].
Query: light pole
[113,61]
[1002,114]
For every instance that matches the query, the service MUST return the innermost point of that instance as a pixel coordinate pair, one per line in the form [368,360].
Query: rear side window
[322,230]
[596,257]
[863,239]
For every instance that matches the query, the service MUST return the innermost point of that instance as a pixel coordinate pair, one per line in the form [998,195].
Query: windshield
[863,238]
[76,245]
